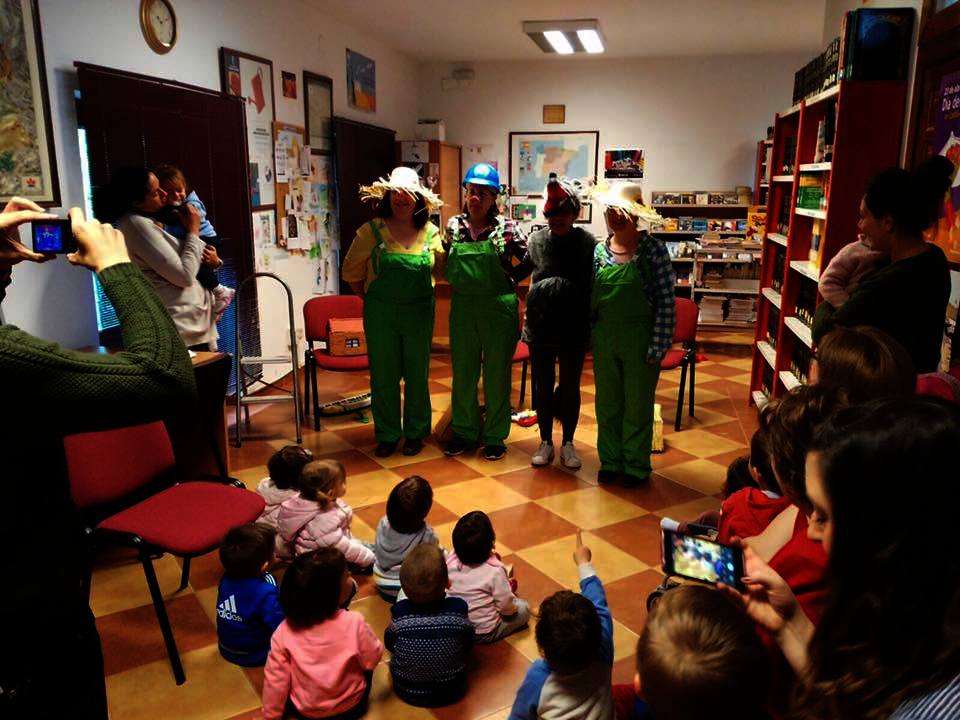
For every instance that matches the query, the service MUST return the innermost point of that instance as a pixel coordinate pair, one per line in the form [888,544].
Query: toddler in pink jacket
[845,271]
[282,484]
[316,517]
[322,657]
[479,577]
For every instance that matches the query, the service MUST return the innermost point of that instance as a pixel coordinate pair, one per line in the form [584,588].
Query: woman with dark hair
[484,324]
[886,645]
[908,297]
[129,201]
[864,363]
[392,264]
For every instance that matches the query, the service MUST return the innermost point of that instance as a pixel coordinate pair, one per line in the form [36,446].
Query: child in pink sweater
[845,271]
[316,517]
[322,657]
[479,577]
[282,484]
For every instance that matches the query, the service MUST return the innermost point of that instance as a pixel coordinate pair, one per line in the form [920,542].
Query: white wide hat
[402,179]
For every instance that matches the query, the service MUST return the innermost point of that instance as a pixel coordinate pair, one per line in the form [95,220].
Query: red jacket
[747,513]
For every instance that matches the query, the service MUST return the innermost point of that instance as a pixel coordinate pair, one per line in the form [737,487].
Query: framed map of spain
[534,155]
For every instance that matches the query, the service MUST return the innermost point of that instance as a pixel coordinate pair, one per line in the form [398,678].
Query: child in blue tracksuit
[575,637]
[248,602]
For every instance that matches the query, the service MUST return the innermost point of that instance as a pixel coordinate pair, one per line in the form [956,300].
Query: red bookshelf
[868,131]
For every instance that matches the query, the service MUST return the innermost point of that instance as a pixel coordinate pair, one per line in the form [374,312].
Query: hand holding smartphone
[697,558]
[53,236]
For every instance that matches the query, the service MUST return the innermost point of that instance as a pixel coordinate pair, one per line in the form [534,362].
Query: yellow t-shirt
[358,264]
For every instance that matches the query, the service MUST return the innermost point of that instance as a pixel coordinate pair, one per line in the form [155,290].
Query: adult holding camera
[391,264]
[484,324]
[886,644]
[129,201]
[51,664]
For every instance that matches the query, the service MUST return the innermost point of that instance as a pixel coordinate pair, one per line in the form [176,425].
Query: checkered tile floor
[535,513]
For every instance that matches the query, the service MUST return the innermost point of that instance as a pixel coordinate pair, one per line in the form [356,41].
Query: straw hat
[628,198]
[402,179]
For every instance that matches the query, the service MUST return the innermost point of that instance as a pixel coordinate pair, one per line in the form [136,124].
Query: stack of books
[711,309]
[742,310]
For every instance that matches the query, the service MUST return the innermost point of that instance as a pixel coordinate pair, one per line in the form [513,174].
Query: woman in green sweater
[50,659]
[908,297]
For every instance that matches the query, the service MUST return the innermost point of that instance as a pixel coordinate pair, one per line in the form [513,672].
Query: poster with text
[623,163]
[946,142]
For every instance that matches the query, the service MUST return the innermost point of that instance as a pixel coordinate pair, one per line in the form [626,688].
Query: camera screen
[47,237]
[704,560]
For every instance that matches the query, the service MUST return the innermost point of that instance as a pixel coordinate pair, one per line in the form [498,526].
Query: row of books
[874,44]
[812,191]
[806,302]
[687,223]
[717,309]
[741,196]
[742,310]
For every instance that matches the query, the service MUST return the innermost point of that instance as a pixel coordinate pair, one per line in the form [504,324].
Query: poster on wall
[264,228]
[946,142]
[623,163]
[318,111]
[361,81]
[534,155]
[251,78]
[28,163]
[950,349]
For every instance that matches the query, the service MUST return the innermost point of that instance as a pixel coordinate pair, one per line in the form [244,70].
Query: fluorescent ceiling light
[590,39]
[558,41]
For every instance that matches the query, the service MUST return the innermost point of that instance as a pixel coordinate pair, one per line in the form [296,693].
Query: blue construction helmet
[483,174]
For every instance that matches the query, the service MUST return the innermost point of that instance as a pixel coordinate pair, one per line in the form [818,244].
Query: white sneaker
[568,456]
[222,297]
[543,455]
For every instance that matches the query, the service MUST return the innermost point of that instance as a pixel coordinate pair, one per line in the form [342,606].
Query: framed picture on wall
[28,161]
[361,81]
[251,78]
[534,155]
[586,214]
[318,111]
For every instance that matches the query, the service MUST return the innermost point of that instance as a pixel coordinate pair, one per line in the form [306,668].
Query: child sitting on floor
[478,576]
[698,656]
[248,605]
[322,657]
[575,638]
[316,517]
[174,184]
[281,484]
[430,635]
[403,528]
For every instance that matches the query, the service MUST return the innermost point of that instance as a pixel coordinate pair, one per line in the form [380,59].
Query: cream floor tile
[704,417]
[208,601]
[590,507]
[321,443]
[524,641]
[360,530]
[704,395]
[703,475]
[370,487]
[624,639]
[429,452]
[555,559]
[501,714]
[740,379]
[250,477]
[690,510]
[124,586]
[445,536]
[481,493]
[513,460]
[376,611]
[701,443]
[214,689]
[745,364]
[385,705]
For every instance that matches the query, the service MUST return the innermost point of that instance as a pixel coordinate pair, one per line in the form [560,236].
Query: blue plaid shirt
[658,282]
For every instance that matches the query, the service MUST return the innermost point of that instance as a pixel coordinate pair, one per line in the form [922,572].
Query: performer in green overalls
[484,323]
[634,313]
[392,263]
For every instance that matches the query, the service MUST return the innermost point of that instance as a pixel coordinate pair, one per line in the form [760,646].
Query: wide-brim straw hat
[628,198]
[402,179]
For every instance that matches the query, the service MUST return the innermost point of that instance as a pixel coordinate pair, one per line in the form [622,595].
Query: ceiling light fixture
[566,37]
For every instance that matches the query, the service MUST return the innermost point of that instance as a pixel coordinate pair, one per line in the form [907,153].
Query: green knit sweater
[50,392]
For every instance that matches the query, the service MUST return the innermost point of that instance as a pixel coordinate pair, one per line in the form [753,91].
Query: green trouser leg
[626,388]
[416,334]
[398,344]
[483,333]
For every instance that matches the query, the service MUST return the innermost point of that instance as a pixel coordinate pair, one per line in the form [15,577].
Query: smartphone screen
[701,559]
[53,236]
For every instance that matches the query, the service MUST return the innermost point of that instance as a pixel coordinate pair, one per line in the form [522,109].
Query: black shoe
[632,481]
[605,477]
[494,452]
[412,447]
[458,446]
[385,449]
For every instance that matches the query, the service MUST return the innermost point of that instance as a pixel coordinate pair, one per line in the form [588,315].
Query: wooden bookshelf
[867,132]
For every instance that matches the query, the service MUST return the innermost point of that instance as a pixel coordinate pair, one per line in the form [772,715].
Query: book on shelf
[755,225]
[806,302]
[810,195]
[671,224]
[877,44]
[685,223]
[816,234]
[699,224]
[779,266]
[688,198]
[767,380]
[773,325]
[711,309]
[800,362]
[702,197]
[742,309]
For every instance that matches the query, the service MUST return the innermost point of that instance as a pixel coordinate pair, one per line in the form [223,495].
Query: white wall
[55,301]
[697,119]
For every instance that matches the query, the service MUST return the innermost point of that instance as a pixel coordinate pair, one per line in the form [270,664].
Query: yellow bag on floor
[657,445]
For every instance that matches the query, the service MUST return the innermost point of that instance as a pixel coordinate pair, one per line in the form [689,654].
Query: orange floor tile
[535,512]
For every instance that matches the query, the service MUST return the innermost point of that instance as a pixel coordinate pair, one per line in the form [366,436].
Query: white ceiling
[476,30]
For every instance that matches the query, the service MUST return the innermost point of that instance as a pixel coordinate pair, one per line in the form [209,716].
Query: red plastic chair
[317,313]
[685,333]
[123,483]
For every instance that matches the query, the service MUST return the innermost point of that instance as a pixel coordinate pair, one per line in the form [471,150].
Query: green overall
[398,322]
[484,328]
[626,383]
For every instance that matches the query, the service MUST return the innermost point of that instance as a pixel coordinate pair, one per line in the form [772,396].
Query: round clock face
[162,22]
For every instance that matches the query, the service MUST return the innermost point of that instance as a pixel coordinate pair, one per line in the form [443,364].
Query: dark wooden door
[364,153]
[135,119]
